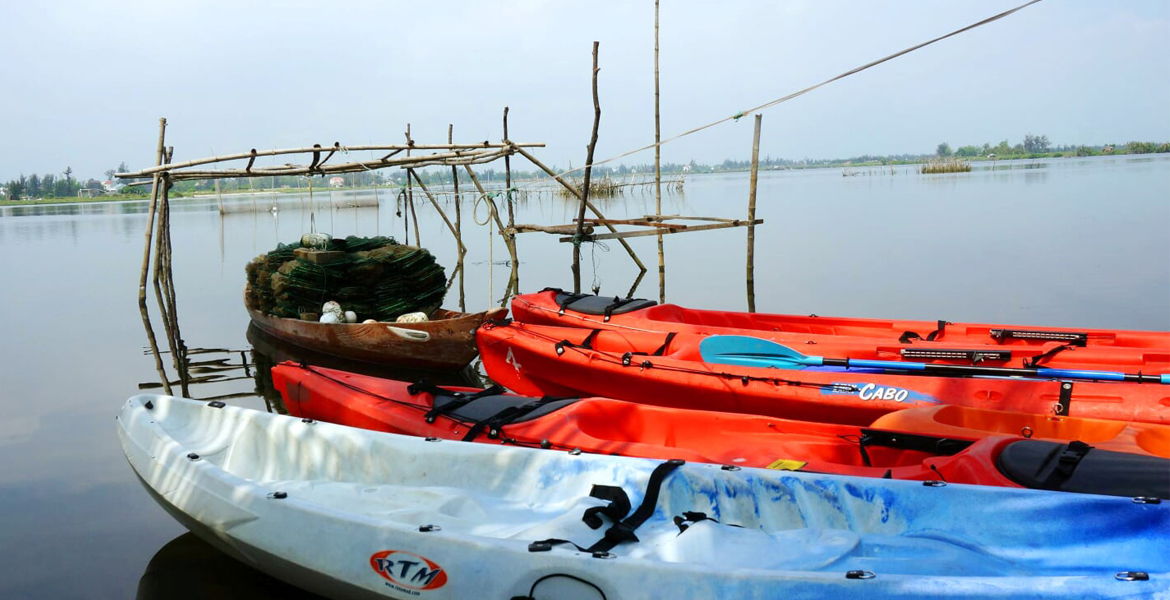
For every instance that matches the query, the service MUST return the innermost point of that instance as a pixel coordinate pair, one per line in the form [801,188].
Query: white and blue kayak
[351,513]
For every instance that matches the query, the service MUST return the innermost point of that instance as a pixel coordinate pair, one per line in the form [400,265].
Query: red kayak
[668,370]
[941,342]
[604,426]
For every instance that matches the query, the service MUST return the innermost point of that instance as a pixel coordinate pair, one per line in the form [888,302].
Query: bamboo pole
[456,158]
[418,161]
[180,355]
[393,147]
[405,218]
[658,165]
[557,229]
[450,227]
[508,173]
[413,213]
[458,221]
[588,173]
[751,228]
[151,339]
[410,192]
[645,232]
[573,189]
[514,276]
[162,127]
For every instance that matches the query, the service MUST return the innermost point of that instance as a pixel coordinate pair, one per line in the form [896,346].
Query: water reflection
[187,567]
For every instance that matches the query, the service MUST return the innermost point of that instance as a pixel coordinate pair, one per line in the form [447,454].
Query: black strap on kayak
[618,507]
[1066,465]
[662,349]
[587,343]
[459,399]
[628,357]
[909,336]
[939,446]
[617,303]
[564,301]
[621,530]
[496,422]
[1035,361]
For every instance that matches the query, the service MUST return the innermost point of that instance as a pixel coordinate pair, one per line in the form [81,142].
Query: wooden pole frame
[395,148]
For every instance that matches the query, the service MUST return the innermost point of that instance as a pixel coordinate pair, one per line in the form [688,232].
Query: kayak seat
[486,407]
[1078,467]
[600,305]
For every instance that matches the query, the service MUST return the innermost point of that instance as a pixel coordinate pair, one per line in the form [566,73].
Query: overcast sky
[82,84]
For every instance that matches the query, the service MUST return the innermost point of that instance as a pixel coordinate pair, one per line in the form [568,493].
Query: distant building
[336,182]
[1107,149]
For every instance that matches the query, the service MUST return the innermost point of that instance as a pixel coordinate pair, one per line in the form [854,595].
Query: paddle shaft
[759,352]
[999,371]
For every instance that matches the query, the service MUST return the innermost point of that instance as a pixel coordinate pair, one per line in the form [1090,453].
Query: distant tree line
[49,185]
[1035,146]
[65,185]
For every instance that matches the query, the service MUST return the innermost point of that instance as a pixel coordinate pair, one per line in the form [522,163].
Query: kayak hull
[638,367]
[612,427]
[874,339]
[357,514]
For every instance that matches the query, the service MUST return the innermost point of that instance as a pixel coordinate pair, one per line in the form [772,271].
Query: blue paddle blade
[752,352]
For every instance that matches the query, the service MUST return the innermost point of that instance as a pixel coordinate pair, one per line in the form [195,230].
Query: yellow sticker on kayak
[785,464]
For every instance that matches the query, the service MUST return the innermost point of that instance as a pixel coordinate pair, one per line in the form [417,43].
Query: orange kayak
[604,426]
[875,339]
[667,370]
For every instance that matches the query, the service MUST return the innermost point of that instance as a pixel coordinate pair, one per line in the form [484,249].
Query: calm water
[1074,242]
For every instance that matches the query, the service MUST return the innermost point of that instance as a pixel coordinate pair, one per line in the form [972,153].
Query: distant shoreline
[711,171]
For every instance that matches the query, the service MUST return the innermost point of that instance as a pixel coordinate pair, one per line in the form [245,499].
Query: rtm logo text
[408,569]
